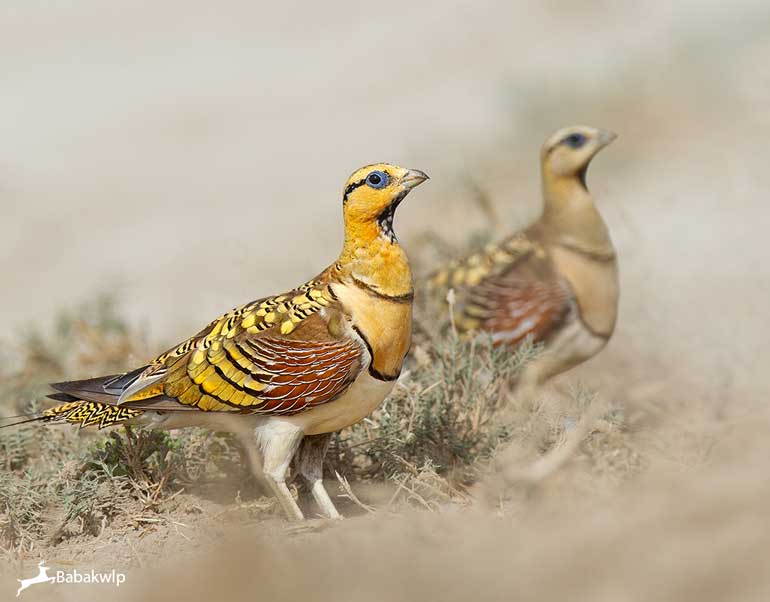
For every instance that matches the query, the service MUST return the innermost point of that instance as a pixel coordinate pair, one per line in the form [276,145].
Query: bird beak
[606,137]
[412,178]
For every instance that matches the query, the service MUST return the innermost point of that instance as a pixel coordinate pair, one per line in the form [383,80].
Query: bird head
[372,194]
[568,151]
[371,253]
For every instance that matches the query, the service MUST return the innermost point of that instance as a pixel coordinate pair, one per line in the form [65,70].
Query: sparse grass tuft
[442,414]
[436,436]
[59,482]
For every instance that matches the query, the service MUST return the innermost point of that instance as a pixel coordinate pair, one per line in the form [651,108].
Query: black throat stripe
[582,176]
[405,298]
[593,255]
[385,219]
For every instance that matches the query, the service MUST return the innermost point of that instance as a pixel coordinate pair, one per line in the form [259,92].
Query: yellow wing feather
[493,259]
[210,370]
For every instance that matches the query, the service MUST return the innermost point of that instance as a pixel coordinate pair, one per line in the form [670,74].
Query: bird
[554,283]
[286,369]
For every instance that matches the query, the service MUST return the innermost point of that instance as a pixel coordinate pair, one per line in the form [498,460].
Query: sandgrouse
[308,362]
[556,282]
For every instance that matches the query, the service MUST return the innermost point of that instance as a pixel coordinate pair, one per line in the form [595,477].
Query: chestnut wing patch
[269,375]
[514,308]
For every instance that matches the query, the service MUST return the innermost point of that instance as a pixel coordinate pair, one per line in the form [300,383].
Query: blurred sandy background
[191,157]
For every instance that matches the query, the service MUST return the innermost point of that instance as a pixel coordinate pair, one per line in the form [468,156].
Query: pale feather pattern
[508,289]
[491,261]
[513,309]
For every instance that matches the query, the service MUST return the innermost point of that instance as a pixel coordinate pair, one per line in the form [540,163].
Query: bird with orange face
[554,283]
[282,371]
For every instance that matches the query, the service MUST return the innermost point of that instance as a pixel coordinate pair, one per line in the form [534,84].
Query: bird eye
[377,179]
[575,140]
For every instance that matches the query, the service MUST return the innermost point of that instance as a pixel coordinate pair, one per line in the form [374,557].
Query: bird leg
[310,463]
[254,457]
[278,442]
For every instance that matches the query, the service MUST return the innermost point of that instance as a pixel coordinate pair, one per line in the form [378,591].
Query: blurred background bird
[554,283]
[310,361]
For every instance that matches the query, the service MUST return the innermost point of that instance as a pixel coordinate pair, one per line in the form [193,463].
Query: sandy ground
[192,158]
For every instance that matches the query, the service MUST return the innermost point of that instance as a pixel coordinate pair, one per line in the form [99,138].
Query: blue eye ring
[377,179]
[575,140]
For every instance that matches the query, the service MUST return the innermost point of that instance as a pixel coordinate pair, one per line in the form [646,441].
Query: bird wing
[510,289]
[514,306]
[470,271]
[271,356]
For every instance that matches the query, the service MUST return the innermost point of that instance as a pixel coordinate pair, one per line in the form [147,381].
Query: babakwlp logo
[74,576]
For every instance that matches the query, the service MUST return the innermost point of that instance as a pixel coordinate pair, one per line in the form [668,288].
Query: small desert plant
[442,415]
[59,481]
[447,416]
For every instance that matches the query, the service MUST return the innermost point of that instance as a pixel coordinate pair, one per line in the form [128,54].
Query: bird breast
[594,282]
[385,325]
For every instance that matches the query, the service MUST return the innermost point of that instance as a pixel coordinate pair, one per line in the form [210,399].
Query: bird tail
[91,402]
[79,411]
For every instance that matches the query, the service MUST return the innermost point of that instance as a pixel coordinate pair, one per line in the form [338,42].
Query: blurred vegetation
[431,440]
[443,412]
[441,424]
[60,482]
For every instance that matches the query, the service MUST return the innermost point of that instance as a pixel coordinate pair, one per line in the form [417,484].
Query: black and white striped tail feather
[97,402]
[94,402]
[75,410]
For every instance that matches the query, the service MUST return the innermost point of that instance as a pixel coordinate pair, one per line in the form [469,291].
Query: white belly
[570,346]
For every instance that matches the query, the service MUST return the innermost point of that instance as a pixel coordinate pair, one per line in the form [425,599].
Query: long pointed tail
[78,411]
